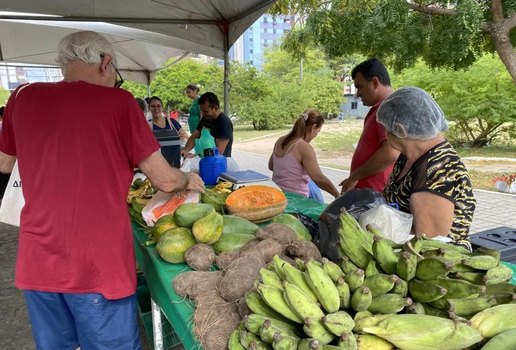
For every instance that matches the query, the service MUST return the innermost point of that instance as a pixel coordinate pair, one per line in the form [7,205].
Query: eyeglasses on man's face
[119,80]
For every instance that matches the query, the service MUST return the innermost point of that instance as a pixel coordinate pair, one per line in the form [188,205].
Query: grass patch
[493,151]
[242,133]
[341,142]
[483,180]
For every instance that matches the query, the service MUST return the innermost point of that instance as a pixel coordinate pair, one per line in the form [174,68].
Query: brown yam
[225,259]
[214,320]
[279,232]
[192,283]
[248,246]
[304,250]
[266,249]
[200,257]
[239,277]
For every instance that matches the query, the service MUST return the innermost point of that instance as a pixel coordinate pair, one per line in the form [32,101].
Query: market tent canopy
[206,27]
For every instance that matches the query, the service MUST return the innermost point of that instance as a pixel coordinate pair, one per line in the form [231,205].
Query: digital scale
[243,178]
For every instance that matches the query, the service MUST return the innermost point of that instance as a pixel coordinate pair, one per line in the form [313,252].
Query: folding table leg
[156,326]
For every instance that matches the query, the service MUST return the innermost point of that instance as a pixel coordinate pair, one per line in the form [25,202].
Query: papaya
[174,243]
[294,223]
[231,241]
[188,213]
[257,203]
[164,223]
[208,228]
[218,200]
[236,224]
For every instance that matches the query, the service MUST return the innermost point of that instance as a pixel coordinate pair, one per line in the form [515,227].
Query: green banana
[282,342]
[471,277]
[268,329]
[400,287]
[431,268]
[416,308]
[355,242]
[502,341]
[270,278]
[362,314]
[308,344]
[457,288]
[432,311]
[371,268]
[429,244]
[234,341]
[481,262]
[384,255]
[246,338]
[347,265]
[425,291]
[500,288]
[355,279]
[446,255]
[406,266]
[279,266]
[258,345]
[344,293]
[299,302]
[380,284]
[253,322]
[274,298]
[315,329]
[389,303]
[338,323]
[348,341]
[369,321]
[495,320]
[488,251]
[373,342]
[257,305]
[333,270]
[297,277]
[361,299]
[470,306]
[498,274]
[322,286]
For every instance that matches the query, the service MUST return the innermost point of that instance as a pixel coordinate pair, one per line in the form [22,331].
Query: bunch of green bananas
[382,295]
[223,187]
[140,192]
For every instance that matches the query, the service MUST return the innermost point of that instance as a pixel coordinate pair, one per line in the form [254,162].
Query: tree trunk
[500,30]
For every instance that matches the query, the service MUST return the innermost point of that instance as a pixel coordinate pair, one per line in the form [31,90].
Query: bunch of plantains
[140,192]
[421,295]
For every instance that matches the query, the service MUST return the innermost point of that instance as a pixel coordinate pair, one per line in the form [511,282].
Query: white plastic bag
[392,223]
[191,165]
[163,203]
[13,200]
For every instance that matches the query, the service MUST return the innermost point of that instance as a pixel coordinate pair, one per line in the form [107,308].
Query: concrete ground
[493,210]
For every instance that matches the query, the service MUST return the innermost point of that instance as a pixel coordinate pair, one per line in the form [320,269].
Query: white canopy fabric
[145,33]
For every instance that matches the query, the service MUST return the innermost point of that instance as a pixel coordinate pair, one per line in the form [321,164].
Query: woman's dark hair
[371,68]
[193,87]
[306,119]
[209,97]
[155,98]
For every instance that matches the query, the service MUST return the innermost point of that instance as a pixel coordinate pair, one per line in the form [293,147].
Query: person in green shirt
[194,117]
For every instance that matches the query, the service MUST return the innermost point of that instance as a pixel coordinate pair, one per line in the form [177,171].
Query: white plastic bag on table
[190,165]
[163,203]
[13,200]
[392,223]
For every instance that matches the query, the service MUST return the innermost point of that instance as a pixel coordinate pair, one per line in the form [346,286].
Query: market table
[159,275]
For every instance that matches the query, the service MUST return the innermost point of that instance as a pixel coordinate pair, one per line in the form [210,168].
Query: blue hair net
[411,112]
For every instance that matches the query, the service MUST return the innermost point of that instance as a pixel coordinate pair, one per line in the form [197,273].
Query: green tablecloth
[159,274]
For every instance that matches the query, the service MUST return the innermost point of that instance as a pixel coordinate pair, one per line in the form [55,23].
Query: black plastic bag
[356,202]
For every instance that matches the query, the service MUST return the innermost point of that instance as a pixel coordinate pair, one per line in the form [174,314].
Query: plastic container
[211,166]
[502,239]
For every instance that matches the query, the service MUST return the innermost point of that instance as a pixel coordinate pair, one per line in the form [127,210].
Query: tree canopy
[444,34]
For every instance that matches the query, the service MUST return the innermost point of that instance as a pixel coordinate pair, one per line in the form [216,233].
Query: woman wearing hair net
[428,180]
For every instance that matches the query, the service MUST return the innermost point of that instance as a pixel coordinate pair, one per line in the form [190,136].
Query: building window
[265,19]
[354,105]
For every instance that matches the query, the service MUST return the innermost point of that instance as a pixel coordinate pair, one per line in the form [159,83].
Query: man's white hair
[86,46]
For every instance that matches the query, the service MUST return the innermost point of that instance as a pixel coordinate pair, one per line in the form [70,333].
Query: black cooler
[170,146]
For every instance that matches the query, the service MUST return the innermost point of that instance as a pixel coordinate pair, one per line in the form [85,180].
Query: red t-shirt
[370,141]
[77,145]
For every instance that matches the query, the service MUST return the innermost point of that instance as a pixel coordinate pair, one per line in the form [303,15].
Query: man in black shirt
[213,119]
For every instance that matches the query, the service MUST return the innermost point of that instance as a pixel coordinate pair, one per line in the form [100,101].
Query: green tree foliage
[480,101]
[443,33]
[4,95]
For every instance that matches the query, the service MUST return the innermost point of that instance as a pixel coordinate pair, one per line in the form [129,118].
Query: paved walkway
[493,210]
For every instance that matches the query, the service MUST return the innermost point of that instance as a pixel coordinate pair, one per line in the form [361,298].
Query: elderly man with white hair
[429,179]
[77,142]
